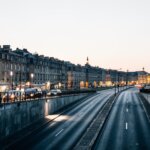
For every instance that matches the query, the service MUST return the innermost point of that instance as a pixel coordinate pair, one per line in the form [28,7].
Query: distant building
[143,77]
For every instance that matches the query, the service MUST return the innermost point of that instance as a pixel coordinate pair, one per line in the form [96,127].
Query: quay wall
[16,116]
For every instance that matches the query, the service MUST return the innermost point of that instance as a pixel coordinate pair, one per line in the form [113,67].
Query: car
[145,89]
[46,93]
[38,93]
[12,95]
[55,92]
[29,93]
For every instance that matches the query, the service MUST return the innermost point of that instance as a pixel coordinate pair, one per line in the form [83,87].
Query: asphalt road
[64,132]
[127,127]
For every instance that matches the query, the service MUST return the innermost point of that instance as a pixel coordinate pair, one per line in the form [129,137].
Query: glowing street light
[48,84]
[32,76]
[11,74]
[59,85]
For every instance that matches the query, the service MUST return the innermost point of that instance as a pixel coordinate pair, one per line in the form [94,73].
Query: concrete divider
[16,116]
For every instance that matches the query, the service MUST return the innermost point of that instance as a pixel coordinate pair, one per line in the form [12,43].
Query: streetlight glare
[11,73]
[32,75]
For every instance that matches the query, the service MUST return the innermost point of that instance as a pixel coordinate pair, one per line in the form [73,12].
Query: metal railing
[7,97]
[12,97]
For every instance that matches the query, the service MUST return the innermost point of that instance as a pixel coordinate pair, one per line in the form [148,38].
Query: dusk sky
[112,33]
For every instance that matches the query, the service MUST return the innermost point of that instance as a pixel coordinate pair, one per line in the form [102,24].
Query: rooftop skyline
[113,34]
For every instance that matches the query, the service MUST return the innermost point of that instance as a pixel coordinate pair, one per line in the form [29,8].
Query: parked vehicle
[145,89]
[49,93]
[33,93]
[12,95]
[38,92]
[46,93]
[55,92]
[29,93]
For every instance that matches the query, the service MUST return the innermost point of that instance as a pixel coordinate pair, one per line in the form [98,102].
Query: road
[127,127]
[66,130]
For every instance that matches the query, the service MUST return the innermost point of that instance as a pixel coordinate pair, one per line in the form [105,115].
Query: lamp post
[118,79]
[115,83]
[32,75]
[48,85]
[127,79]
[59,85]
[11,74]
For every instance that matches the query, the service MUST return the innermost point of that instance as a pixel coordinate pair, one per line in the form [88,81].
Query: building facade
[20,67]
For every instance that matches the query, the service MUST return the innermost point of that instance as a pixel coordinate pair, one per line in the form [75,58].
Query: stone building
[32,68]
[20,67]
[11,61]
[76,76]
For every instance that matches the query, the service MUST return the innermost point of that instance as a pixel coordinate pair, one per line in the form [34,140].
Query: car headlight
[12,96]
[32,95]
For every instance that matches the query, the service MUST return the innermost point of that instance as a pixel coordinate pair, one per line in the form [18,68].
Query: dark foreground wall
[16,116]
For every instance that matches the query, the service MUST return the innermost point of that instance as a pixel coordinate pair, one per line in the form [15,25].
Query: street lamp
[48,85]
[115,83]
[59,85]
[127,79]
[32,75]
[11,74]
[118,79]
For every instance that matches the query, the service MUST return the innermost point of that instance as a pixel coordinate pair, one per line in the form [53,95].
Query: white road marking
[127,110]
[126,126]
[59,132]
[53,123]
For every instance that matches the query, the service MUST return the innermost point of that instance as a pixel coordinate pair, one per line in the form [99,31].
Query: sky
[114,34]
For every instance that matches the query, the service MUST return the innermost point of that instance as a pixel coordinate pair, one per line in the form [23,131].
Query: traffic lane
[139,128]
[67,135]
[132,130]
[72,134]
[112,134]
[137,133]
[56,125]
[50,117]
[52,126]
